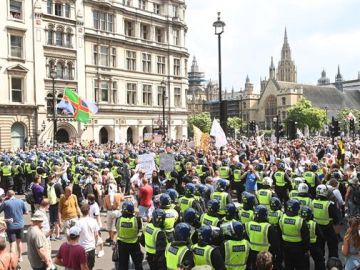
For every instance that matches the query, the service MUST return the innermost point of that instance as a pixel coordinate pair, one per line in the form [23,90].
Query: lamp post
[53,76]
[241,113]
[276,122]
[219,29]
[163,86]
[326,119]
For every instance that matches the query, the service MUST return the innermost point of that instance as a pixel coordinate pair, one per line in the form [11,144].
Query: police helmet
[222,185]
[213,206]
[116,163]
[275,204]
[267,181]
[298,181]
[182,232]
[238,230]
[303,188]
[322,191]
[40,170]
[205,234]
[259,167]
[230,210]
[281,166]
[158,218]
[104,164]
[165,200]
[128,208]
[190,216]
[306,213]
[173,194]
[225,162]
[201,161]
[200,190]
[336,175]
[314,167]
[248,199]
[260,213]
[292,207]
[189,189]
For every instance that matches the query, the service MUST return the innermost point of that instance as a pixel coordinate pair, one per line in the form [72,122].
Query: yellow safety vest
[258,235]
[174,256]
[236,254]
[222,198]
[274,217]
[199,170]
[114,171]
[321,211]
[151,233]
[306,201]
[6,170]
[312,229]
[128,230]
[246,216]
[309,178]
[171,217]
[280,179]
[224,172]
[202,255]
[178,166]
[293,194]
[237,175]
[264,197]
[206,219]
[291,228]
[185,203]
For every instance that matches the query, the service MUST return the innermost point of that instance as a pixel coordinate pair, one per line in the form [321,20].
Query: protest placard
[167,162]
[147,163]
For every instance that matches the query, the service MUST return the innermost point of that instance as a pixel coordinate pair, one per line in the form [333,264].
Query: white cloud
[322,34]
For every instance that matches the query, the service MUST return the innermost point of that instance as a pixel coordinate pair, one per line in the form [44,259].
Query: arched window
[59,36]
[70,75]
[59,70]
[17,135]
[50,40]
[283,101]
[49,104]
[69,38]
[51,66]
[244,105]
[270,110]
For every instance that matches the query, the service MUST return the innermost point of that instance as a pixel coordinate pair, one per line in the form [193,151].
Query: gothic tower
[286,70]
[272,69]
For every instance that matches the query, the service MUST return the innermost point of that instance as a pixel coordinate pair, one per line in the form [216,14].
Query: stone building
[121,54]
[196,93]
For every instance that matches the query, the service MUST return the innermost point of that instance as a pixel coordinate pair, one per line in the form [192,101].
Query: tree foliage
[341,116]
[306,115]
[201,120]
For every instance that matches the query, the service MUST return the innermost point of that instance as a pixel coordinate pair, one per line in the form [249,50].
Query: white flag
[299,133]
[351,117]
[218,133]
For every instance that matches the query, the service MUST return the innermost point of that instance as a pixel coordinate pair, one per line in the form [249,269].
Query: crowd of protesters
[248,205]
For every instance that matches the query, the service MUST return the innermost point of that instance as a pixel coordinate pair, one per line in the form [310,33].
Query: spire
[339,77]
[285,36]
[247,79]
[286,70]
[194,65]
[272,69]
[323,80]
[272,62]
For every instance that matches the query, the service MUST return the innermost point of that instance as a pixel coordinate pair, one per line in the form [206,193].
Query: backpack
[29,195]
[356,195]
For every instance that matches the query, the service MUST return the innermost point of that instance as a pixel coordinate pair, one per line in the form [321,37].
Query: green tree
[306,115]
[341,116]
[201,120]
[234,123]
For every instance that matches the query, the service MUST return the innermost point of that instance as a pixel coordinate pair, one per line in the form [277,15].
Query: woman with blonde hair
[351,245]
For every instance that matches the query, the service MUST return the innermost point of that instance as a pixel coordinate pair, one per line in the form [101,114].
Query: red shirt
[72,256]
[145,195]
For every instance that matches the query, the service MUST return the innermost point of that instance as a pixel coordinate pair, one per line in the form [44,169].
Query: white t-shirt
[94,210]
[88,229]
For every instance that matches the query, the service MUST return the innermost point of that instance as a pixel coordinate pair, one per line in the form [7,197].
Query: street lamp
[276,122]
[219,29]
[163,86]
[53,76]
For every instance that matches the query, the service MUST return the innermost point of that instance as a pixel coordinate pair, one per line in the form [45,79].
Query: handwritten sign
[147,163]
[167,162]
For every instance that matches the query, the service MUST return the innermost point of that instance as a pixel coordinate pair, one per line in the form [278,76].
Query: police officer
[222,196]
[128,227]
[19,177]
[178,252]
[282,183]
[231,213]
[295,236]
[204,253]
[235,250]
[294,192]
[116,172]
[191,217]
[154,240]
[274,213]
[189,200]
[311,179]
[174,199]
[172,215]
[326,215]
[303,195]
[238,184]
[200,192]
[316,236]
[261,235]
[224,170]
[7,181]
[265,194]
[246,214]
[211,218]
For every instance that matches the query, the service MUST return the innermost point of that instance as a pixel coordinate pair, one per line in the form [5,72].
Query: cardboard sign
[147,163]
[167,162]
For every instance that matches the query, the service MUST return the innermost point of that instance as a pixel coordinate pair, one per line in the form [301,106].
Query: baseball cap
[74,231]
[37,217]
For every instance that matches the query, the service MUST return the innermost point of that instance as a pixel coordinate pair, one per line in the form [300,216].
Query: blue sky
[321,33]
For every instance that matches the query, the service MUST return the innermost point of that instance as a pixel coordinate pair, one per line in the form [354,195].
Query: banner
[147,163]
[197,136]
[218,133]
[205,142]
[167,162]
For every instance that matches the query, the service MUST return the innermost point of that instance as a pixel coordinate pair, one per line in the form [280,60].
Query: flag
[81,108]
[66,106]
[351,117]
[218,133]
[197,137]
[205,142]
[299,133]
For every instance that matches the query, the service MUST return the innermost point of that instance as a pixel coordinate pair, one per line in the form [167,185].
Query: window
[59,70]
[176,35]
[104,88]
[49,6]
[70,68]
[95,58]
[159,34]
[50,40]
[16,43]
[175,11]
[176,67]
[67,10]
[96,90]
[131,93]
[51,67]
[127,2]
[104,56]
[161,64]
[186,67]
[146,62]
[59,37]
[113,57]
[177,96]
[145,31]
[160,95]
[142,4]
[114,91]
[58,9]
[16,9]
[103,21]
[131,60]
[147,97]
[16,89]
[156,8]
[69,40]
[244,106]
[283,101]
[129,28]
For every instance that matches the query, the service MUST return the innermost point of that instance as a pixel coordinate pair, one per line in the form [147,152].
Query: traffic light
[352,125]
